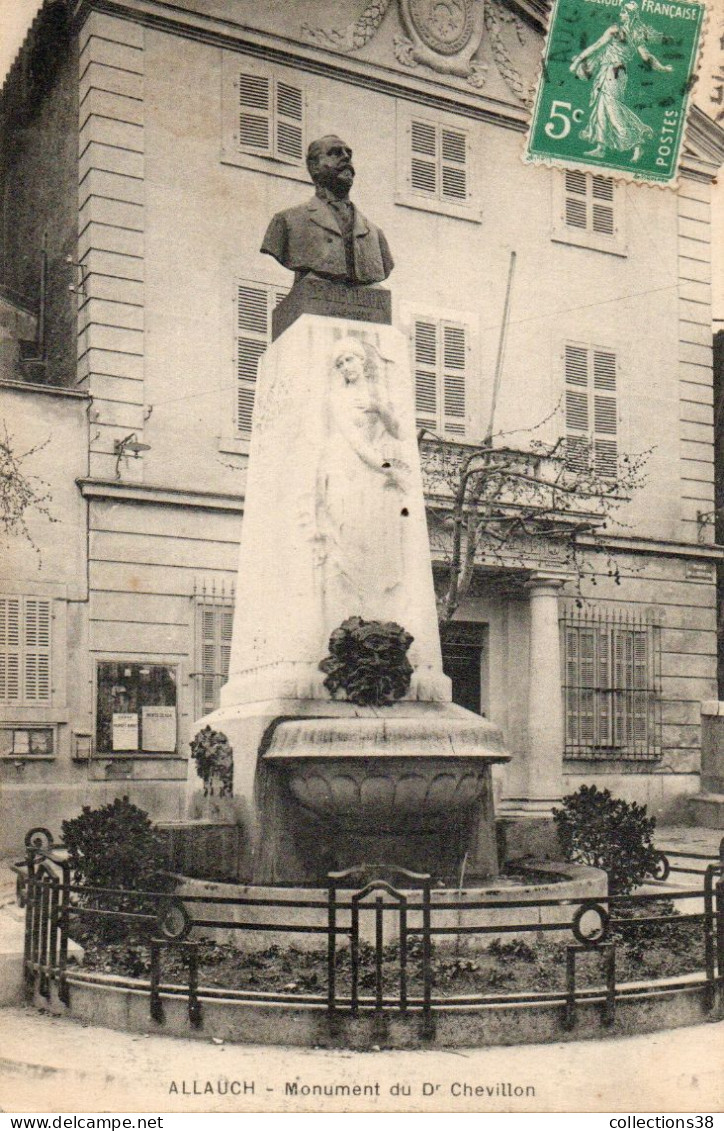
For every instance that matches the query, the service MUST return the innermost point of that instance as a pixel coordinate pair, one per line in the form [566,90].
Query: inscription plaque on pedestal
[312,295]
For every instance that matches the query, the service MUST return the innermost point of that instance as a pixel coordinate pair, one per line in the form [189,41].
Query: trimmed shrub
[595,828]
[115,846]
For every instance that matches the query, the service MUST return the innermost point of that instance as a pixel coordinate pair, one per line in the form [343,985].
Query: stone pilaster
[111,206]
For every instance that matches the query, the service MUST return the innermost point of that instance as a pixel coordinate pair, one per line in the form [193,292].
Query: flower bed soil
[507,966]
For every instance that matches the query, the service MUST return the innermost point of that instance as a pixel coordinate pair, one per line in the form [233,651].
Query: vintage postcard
[361,675]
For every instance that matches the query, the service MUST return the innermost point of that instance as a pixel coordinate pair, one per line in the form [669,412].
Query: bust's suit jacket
[308,238]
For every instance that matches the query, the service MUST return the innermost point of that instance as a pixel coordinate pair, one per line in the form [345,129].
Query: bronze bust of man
[328,236]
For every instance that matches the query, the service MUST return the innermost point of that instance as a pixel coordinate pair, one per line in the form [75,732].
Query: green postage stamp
[614,86]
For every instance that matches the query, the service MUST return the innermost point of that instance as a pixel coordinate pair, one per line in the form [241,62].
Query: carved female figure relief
[362,488]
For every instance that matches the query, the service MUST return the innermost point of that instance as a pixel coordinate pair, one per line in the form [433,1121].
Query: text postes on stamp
[614,86]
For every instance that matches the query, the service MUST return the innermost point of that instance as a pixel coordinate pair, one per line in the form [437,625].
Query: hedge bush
[115,846]
[595,828]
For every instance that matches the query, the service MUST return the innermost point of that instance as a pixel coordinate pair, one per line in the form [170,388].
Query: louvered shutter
[438,161]
[426,370]
[255,114]
[587,703]
[253,330]
[573,680]
[10,613]
[576,199]
[37,650]
[453,152]
[289,122]
[209,647]
[25,650]
[589,203]
[577,415]
[271,118]
[603,684]
[424,158]
[642,704]
[441,352]
[254,305]
[226,625]
[591,409]
[216,622]
[623,683]
[454,370]
[602,217]
[605,413]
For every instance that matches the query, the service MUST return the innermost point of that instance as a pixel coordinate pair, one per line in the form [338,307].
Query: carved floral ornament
[444,35]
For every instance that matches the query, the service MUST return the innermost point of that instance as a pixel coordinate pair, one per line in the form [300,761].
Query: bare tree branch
[487,499]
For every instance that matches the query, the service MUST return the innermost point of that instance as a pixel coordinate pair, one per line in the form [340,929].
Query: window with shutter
[591,409]
[589,211]
[254,305]
[610,692]
[270,117]
[441,352]
[438,161]
[215,624]
[589,203]
[25,651]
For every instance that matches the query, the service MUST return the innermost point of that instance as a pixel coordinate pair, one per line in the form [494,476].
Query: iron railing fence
[597,926]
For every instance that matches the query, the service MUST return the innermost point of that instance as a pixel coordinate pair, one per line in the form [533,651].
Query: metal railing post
[64,926]
[709,937]
[192,955]
[427,1026]
[379,941]
[331,947]
[155,1004]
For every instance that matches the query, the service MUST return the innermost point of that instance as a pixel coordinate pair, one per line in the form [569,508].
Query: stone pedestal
[334,517]
[535,784]
[335,527]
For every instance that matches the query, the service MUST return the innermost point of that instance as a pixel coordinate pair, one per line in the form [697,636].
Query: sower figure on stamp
[328,236]
[612,124]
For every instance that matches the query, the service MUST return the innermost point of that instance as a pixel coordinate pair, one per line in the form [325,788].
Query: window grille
[611,689]
[25,651]
[214,623]
[442,362]
[254,305]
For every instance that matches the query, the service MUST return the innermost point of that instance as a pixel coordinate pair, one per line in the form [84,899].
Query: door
[462,660]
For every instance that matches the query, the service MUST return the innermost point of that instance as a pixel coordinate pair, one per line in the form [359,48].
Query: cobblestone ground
[50,1065]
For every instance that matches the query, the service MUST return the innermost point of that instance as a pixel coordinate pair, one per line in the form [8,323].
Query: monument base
[335,534]
[322,785]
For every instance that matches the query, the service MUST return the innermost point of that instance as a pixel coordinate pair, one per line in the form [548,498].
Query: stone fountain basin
[361,795]
[388,774]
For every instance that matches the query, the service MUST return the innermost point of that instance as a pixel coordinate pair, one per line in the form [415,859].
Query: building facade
[145,151]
